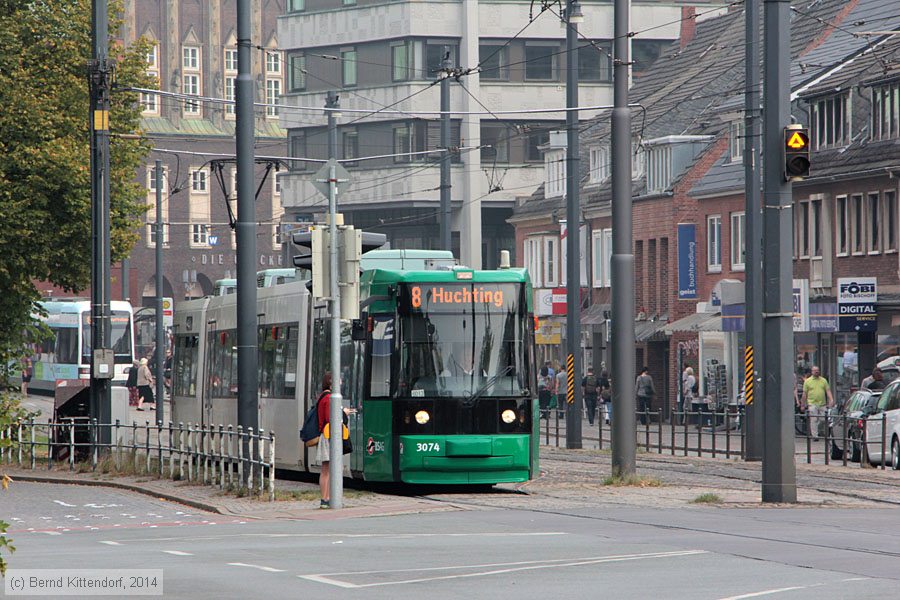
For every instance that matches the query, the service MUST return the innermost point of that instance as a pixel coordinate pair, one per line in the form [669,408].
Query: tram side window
[223,371]
[186,352]
[381,353]
[290,363]
[321,357]
[67,345]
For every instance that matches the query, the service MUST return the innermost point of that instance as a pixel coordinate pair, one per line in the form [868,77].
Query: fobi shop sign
[856,304]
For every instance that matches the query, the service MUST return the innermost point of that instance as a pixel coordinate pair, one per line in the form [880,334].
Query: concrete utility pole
[573,17]
[753,288]
[335,418]
[247,336]
[622,355]
[779,475]
[102,364]
[444,74]
[160,330]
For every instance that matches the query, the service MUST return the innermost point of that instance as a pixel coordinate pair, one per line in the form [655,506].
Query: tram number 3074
[428,447]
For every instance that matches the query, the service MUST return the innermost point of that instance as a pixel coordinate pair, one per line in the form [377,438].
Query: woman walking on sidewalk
[145,384]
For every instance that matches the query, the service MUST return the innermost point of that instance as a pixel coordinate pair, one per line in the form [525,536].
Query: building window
[494,61]
[190,80]
[298,150]
[555,173]
[599,164]
[535,141]
[659,168]
[150,102]
[297,72]
[151,201]
[199,180]
[532,252]
[400,62]
[190,58]
[714,244]
[402,143]
[348,72]
[594,64]
[874,223]
[231,60]
[273,62]
[842,221]
[886,111]
[350,144]
[738,247]
[230,94]
[273,93]
[540,62]
[890,221]
[831,122]
[434,57]
[551,261]
[494,143]
[637,159]
[602,257]
[296,5]
[199,235]
[231,66]
[857,224]
[737,141]
[810,229]
[646,52]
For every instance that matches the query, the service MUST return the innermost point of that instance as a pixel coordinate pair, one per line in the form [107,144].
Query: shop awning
[696,322]
[595,314]
[649,331]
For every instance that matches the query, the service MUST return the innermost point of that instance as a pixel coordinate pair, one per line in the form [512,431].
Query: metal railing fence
[841,439]
[231,458]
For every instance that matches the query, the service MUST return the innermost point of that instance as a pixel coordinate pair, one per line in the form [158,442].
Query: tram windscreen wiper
[470,400]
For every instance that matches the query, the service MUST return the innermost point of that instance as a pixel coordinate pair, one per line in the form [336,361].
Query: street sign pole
[336,483]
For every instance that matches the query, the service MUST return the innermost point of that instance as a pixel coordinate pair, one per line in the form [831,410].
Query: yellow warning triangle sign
[797,141]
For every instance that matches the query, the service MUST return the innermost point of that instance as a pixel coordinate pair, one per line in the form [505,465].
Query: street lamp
[574,13]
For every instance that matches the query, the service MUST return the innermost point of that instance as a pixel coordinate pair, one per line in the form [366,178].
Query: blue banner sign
[733,317]
[687,261]
[823,317]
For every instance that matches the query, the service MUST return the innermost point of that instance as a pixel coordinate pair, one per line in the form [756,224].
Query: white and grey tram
[205,374]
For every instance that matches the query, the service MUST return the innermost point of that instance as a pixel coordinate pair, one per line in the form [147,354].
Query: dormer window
[830,120]
[659,168]
[736,139]
[599,164]
[886,111]
[555,172]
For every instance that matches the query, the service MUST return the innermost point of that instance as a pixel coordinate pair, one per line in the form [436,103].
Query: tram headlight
[508,416]
[422,417]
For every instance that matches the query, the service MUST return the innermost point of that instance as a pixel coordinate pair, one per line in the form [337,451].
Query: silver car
[884,425]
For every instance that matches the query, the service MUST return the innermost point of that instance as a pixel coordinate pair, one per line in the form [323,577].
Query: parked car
[890,368]
[857,407]
[884,424]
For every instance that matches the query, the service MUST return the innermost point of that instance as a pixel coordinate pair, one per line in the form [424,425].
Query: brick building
[688,187]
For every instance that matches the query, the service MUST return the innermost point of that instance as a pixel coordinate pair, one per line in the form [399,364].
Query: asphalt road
[695,553]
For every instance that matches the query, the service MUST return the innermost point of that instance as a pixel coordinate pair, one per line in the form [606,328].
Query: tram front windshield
[462,340]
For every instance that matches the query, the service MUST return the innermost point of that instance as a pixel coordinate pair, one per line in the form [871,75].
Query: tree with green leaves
[45,189]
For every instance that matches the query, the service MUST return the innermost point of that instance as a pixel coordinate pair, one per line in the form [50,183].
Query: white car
[885,424]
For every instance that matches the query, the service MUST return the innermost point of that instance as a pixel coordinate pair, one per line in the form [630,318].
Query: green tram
[438,374]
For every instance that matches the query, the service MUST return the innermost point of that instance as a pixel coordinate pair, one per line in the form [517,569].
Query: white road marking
[328,578]
[354,535]
[61,503]
[789,589]
[178,553]
[51,532]
[110,543]
[260,567]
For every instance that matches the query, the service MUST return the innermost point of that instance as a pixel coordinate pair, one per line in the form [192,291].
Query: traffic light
[314,247]
[354,243]
[796,153]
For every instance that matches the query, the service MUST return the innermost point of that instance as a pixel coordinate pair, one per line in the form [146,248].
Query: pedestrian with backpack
[590,387]
[606,394]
